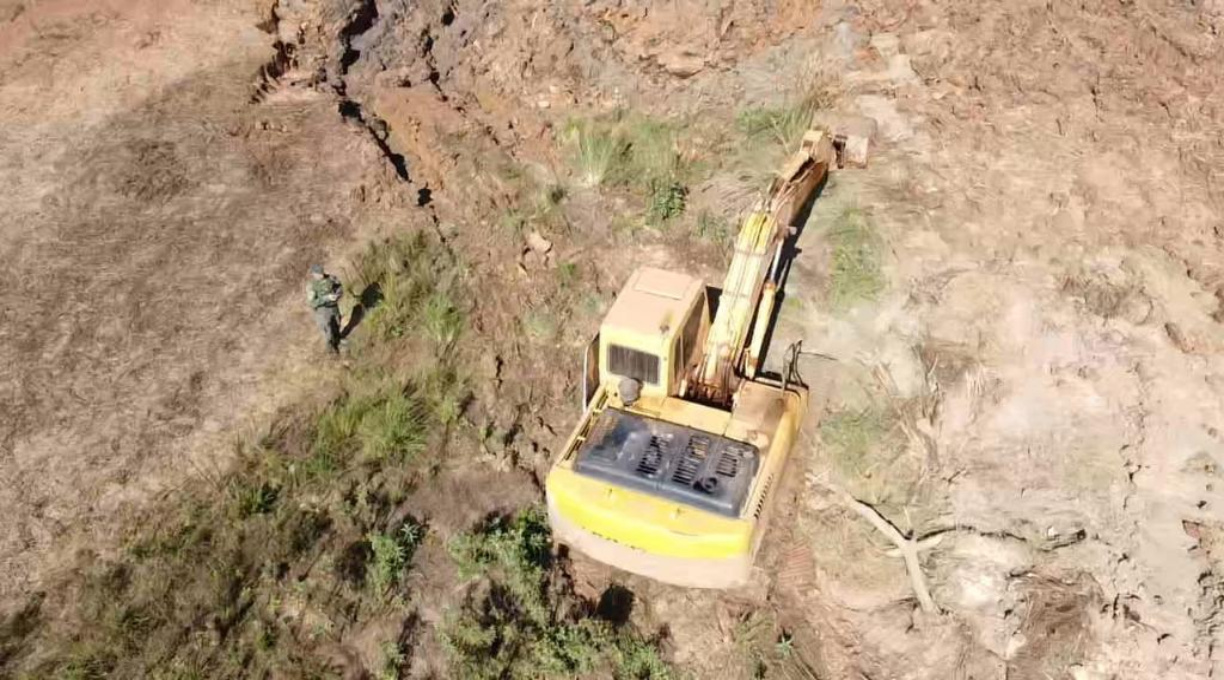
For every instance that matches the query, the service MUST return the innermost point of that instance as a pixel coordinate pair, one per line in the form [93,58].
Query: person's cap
[316,269]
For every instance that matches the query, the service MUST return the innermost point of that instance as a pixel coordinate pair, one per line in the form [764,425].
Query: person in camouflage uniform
[324,294]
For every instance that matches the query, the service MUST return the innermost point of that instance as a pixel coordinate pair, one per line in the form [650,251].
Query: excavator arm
[733,345]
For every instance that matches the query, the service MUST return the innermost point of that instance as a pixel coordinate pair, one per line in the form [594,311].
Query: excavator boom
[750,286]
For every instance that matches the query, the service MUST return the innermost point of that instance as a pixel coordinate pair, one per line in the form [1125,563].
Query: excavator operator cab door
[687,349]
[590,372]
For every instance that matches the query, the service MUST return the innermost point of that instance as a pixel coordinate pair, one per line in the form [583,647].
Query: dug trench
[483,176]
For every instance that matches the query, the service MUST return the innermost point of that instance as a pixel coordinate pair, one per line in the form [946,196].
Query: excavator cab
[652,334]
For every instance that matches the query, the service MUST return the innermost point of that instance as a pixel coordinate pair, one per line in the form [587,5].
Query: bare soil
[1045,191]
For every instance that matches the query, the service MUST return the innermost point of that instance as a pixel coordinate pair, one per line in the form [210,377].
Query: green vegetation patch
[520,620]
[854,273]
[852,438]
[387,425]
[873,459]
[633,151]
[403,286]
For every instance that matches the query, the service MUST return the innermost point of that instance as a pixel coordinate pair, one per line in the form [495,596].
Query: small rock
[854,152]
[538,243]
[682,63]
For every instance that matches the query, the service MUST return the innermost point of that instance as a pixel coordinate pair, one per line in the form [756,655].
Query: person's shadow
[369,299]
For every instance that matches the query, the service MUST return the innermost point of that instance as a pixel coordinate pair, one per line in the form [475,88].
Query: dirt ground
[1044,194]
[155,229]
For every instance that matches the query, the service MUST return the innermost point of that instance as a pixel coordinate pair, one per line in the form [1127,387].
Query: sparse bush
[855,274]
[712,228]
[519,622]
[390,554]
[667,200]
[253,499]
[782,125]
[652,150]
[540,325]
[393,662]
[850,437]
[567,274]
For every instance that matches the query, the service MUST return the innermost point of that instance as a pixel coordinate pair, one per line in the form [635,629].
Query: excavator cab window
[631,363]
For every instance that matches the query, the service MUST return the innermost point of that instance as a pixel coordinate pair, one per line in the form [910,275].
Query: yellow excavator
[671,470]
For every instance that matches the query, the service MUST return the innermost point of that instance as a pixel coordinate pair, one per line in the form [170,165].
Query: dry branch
[907,548]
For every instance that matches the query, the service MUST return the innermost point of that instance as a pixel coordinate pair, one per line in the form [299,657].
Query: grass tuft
[598,150]
[442,319]
[784,125]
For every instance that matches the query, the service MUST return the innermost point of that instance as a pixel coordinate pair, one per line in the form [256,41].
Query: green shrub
[667,200]
[520,620]
[390,555]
